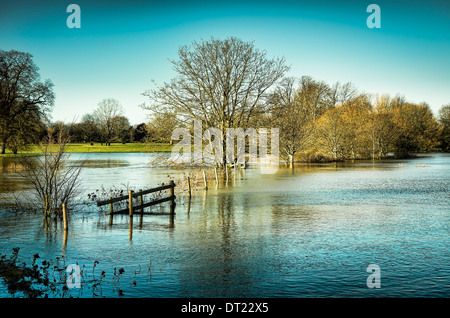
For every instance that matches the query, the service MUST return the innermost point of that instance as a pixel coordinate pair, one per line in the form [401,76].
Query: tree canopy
[25,101]
[220,82]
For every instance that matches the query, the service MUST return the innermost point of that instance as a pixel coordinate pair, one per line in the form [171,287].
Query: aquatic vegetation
[50,278]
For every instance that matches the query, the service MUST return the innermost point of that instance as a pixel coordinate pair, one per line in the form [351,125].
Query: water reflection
[310,231]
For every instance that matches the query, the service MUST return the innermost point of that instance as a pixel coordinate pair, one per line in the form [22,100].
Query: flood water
[307,232]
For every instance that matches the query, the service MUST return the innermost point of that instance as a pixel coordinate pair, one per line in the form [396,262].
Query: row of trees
[108,124]
[26,103]
[322,122]
[230,84]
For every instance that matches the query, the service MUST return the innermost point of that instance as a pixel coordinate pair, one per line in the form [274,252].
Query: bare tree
[291,113]
[315,96]
[54,180]
[106,111]
[341,93]
[24,99]
[221,82]
[159,129]
[356,112]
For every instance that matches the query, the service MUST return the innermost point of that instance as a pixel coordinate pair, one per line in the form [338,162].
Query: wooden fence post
[172,195]
[204,179]
[172,188]
[64,216]
[226,172]
[189,206]
[130,229]
[46,205]
[110,212]
[217,177]
[130,207]
[65,240]
[130,202]
[141,201]
[189,185]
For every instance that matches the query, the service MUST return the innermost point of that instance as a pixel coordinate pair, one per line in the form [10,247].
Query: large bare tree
[24,100]
[221,82]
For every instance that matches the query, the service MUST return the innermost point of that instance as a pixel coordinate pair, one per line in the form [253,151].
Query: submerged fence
[140,194]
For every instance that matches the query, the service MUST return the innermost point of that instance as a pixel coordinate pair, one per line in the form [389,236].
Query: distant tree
[107,109]
[28,129]
[355,118]
[221,82]
[121,129]
[316,96]
[419,130]
[89,128]
[384,132]
[160,128]
[339,93]
[140,132]
[293,113]
[25,101]
[58,129]
[444,120]
[331,132]
[339,114]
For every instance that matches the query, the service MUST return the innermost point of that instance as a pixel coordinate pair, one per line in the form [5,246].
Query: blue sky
[123,45]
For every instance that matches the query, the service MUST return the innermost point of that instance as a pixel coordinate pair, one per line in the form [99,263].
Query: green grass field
[97,147]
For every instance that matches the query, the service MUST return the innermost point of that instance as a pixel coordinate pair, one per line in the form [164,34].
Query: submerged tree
[292,112]
[54,180]
[159,129]
[220,82]
[330,132]
[418,127]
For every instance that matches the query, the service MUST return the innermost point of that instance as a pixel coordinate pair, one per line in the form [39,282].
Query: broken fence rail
[139,194]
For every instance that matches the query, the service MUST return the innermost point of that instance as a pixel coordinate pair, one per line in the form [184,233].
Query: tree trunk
[291,161]
[4,146]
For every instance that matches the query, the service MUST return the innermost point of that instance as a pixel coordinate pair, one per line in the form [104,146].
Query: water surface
[310,232]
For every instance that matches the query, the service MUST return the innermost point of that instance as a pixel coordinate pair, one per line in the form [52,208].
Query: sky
[123,45]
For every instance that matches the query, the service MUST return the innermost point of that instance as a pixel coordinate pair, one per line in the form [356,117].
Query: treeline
[229,84]
[100,128]
[319,122]
[92,129]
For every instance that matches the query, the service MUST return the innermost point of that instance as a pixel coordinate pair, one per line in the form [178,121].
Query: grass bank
[99,148]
